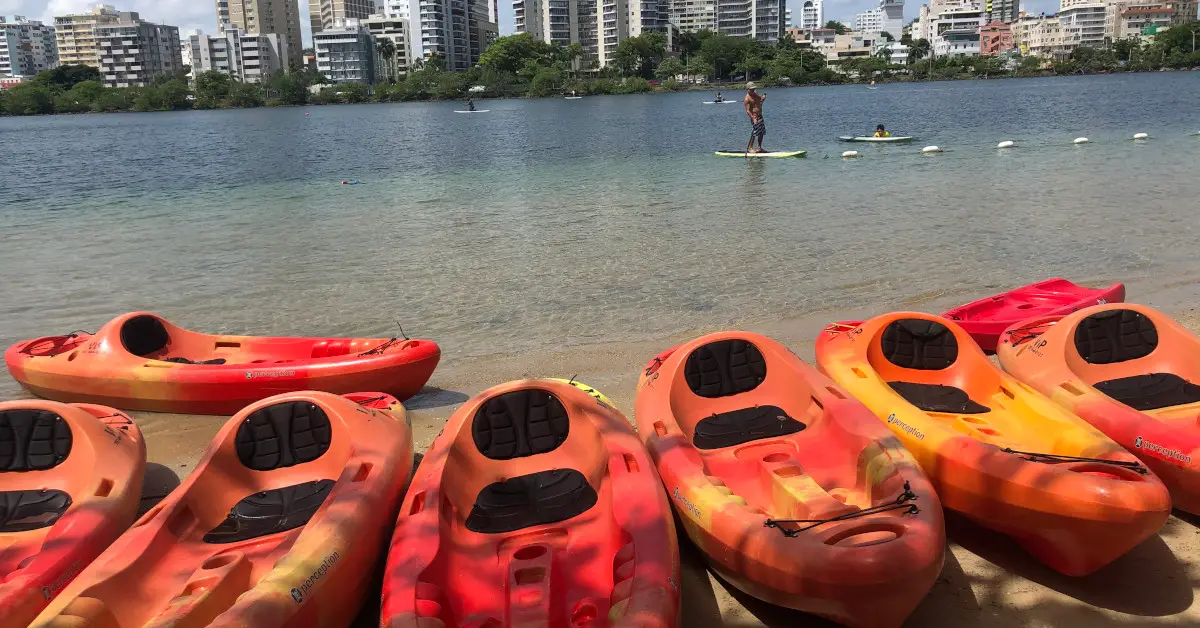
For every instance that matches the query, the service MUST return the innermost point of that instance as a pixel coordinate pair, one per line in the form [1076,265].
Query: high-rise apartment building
[26,47]
[457,31]
[395,29]
[75,35]
[1006,11]
[597,25]
[323,13]
[346,52]
[280,17]
[812,14]
[888,18]
[133,52]
[248,57]
[765,20]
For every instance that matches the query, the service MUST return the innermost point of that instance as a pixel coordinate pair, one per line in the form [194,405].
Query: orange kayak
[535,506]
[281,524]
[1131,372]
[140,361]
[793,490]
[997,451]
[70,484]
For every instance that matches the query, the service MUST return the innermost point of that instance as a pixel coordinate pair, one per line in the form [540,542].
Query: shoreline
[705,88]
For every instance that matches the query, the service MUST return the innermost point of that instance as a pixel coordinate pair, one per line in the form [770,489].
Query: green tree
[547,81]
[449,86]
[669,69]
[511,53]
[29,99]
[918,50]
[212,89]
[723,52]
[79,98]
[575,55]
[64,77]
[387,56]
[639,56]
[291,88]
[114,99]
[836,26]
[245,95]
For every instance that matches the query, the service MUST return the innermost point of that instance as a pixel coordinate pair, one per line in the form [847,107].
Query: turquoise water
[552,222]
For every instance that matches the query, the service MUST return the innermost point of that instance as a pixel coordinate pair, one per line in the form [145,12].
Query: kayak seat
[919,344]
[519,424]
[144,336]
[268,512]
[33,440]
[283,435]
[21,511]
[1151,391]
[1115,336]
[736,427]
[530,500]
[938,398]
[187,361]
[330,349]
[725,368]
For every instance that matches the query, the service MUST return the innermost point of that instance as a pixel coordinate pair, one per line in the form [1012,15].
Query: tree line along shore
[519,66]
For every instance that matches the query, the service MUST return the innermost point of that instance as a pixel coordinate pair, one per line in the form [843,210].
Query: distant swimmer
[754,109]
[881,132]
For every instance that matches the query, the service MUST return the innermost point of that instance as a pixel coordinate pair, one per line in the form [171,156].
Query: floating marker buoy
[931,149]
[1141,136]
[850,154]
[1006,144]
[1081,140]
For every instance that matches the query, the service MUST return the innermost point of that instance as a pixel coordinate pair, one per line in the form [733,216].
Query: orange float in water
[793,490]
[997,451]
[535,506]
[1130,371]
[281,524]
[140,361]
[70,483]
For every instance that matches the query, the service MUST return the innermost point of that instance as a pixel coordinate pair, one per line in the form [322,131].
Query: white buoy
[1006,144]
[1081,140]
[1141,136]
[931,149]
[850,154]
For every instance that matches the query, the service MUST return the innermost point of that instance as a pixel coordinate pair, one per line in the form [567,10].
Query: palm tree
[387,52]
[574,54]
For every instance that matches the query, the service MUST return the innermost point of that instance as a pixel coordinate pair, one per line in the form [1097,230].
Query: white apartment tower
[248,57]
[264,16]
[395,29]
[812,14]
[26,47]
[132,51]
[888,18]
[758,19]
[597,25]
[322,13]
[75,35]
[346,52]
[457,31]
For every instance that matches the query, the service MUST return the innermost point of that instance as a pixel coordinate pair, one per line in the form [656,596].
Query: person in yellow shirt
[881,132]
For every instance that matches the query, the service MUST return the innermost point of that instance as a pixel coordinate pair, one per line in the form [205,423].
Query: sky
[201,14]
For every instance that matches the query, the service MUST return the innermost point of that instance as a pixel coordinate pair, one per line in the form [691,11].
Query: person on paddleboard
[720,99]
[758,129]
[881,132]
[470,104]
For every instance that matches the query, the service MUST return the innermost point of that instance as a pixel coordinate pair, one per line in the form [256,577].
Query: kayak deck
[877,140]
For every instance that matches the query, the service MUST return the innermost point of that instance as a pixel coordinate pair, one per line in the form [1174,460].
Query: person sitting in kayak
[758,129]
[881,132]
[720,98]
[470,104]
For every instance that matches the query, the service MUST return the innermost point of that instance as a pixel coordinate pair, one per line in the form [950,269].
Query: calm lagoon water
[553,222]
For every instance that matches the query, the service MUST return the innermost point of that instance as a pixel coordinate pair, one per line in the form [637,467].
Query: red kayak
[986,319]
[139,361]
[537,505]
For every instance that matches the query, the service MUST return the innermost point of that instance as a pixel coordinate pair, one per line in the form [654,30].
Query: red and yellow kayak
[281,524]
[793,490]
[1131,372]
[140,361]
[70,484]
[997,451]
[535,506]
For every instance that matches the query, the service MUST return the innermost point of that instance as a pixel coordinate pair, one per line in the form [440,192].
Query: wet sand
[987,581]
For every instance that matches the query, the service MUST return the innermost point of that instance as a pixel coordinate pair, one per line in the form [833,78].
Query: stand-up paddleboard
[723,102]
[877,140]
[476,111]
[777,155]
[572,97]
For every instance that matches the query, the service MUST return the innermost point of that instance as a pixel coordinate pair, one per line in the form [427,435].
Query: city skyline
[192,15]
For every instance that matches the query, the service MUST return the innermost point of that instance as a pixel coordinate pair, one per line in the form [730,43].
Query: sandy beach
[987,580]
